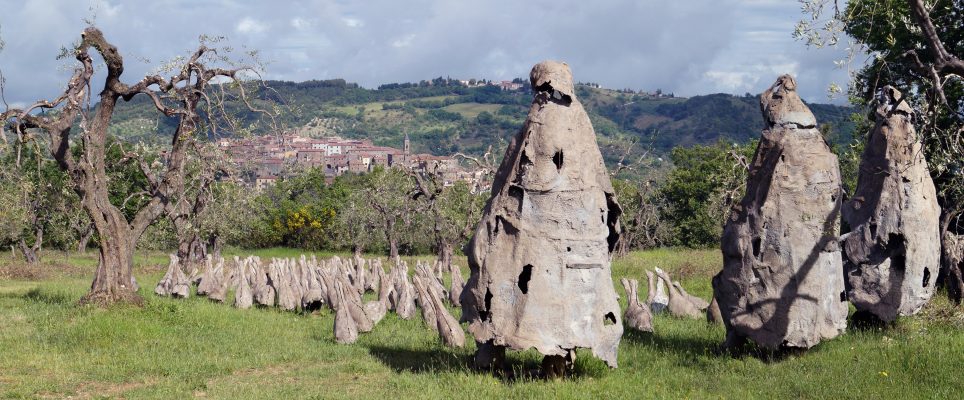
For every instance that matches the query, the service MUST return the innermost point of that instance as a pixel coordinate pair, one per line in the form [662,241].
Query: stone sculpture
[656,298]
[892,255]
[680,304]
[174,283]
[637,315]
[782,278]
[540,257]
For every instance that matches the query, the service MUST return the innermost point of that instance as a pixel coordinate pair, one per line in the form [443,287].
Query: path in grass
[49,347]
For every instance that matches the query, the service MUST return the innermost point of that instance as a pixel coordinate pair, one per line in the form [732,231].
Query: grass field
[472,110]
[52,348]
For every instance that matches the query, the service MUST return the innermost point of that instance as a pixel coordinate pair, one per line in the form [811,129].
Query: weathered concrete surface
[892,256]
[637,315]
[540,258]
[782,281]
[656,298]
[174,283]
[680,304]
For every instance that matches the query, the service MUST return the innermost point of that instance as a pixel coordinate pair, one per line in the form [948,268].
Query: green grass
[472,110]
[50,347]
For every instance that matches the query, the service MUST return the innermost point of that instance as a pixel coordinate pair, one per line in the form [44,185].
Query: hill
[444,116]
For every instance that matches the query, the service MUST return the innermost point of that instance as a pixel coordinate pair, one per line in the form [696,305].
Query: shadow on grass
[868,322]
[694,351]
[519,367]
[419,361]
[673,343]
[38,295]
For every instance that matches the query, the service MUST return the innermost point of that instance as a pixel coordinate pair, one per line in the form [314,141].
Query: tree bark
[29,252]
[113,280]
[85,239]
[445,252]
[392,238]
[216,245]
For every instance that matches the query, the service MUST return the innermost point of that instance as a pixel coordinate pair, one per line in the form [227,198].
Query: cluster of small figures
[676,301]
[339,283]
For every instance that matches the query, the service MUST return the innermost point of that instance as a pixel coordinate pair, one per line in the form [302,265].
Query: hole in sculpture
[557,159]
[612,222]
[484,314]
[524,160]
[843,296]
[756,247]
[609,319]
[524,278]
[927,276]
[517,193]
[568,249]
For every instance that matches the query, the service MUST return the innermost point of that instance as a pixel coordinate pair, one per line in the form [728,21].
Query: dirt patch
[44,270]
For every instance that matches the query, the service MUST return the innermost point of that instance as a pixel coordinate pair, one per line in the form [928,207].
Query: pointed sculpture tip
[889,99]
[781,106]
[556,74]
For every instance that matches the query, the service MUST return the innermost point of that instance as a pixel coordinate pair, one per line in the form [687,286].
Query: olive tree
[188,94]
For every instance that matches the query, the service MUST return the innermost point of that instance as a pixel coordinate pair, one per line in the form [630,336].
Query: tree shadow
[519,367]
[38,295]
[674,344]
[420,361]
[778,321]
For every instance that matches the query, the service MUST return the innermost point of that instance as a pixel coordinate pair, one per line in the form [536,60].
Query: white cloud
[300,23]
[353,22]
[403,41]
[249,25]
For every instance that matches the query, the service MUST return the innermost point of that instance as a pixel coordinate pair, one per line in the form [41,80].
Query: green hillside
[443,117]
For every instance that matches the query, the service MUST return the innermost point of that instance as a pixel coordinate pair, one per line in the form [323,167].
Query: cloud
[249,25]
[692,47]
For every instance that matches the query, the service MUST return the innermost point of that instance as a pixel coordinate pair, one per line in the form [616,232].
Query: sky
[687,47]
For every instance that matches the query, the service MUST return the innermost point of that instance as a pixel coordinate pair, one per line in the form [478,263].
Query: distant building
[267,157]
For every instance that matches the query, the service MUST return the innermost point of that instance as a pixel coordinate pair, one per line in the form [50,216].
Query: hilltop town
[265,159]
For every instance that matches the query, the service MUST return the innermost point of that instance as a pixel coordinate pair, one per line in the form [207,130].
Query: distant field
[51,348]
[472,110]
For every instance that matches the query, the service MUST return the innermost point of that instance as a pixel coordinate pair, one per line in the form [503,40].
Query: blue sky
[688,47]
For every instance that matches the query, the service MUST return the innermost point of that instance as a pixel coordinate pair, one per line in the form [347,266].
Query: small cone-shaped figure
[656,298]
[455,292]
[174,283]
[680,305]
[540,258]
[894,252]
[346,332]
[700,303]
[713,314]
[782,278]
[637,315]
[243,298]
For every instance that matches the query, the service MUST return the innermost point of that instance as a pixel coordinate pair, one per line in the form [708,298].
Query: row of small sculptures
[340,284]
[307,283]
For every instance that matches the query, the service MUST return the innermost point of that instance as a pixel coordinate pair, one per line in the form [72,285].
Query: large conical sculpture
[893,254]
[540,257]
[782,280]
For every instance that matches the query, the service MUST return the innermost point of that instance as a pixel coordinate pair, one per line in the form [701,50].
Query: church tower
[408,145]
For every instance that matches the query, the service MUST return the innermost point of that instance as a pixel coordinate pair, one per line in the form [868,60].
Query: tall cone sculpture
[782,281]
[540,258]
[894,252]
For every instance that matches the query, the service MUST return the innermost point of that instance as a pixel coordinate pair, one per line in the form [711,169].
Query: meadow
[52,348]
